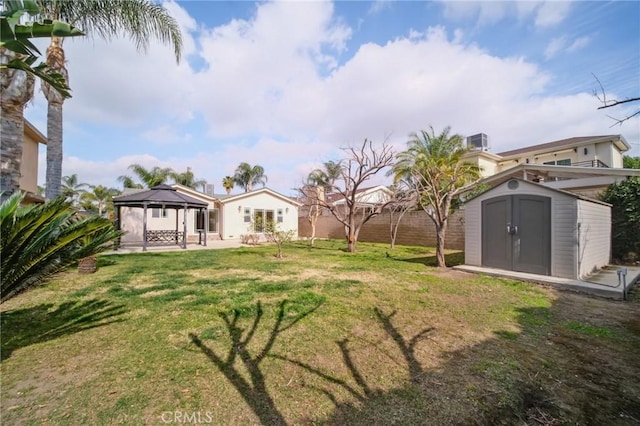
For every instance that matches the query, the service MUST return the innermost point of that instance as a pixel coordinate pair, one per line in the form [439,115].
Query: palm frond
[139,20]
[40,240]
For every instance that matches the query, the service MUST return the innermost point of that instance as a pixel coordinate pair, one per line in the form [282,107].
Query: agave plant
[37,241]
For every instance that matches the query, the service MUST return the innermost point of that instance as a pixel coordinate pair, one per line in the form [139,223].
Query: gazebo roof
[161,196]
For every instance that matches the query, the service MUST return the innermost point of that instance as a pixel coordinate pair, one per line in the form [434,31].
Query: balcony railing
[590,163]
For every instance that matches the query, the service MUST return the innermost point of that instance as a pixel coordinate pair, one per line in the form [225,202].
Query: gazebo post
[144,227]
[176,210]
[117,226]
[184,226]
[206,224]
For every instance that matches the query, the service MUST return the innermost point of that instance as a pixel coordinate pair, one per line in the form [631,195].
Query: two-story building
[29,164]
[583,165]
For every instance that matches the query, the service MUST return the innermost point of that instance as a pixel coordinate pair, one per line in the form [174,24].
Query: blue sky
[286,85]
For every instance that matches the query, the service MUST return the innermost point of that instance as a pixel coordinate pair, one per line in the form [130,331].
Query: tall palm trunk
[55,60]
[16,89]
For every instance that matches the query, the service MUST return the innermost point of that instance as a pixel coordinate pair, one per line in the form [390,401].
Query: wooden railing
[164,237]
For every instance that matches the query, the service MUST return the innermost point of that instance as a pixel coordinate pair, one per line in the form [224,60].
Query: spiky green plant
[40,240]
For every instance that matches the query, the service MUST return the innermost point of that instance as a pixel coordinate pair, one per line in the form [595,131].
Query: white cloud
[552,13]
[166,134]
[562,44]
[282,91]
[114,83]
[379,6]
[543,13]
[555,46]
[579,43]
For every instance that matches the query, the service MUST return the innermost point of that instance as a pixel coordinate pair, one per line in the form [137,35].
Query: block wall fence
[415,229]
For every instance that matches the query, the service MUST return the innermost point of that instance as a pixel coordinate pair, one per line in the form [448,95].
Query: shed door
[516,233]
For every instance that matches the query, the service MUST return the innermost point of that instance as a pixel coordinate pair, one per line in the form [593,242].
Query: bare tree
[310,196]
[610,103]
[346,206]
[403,200]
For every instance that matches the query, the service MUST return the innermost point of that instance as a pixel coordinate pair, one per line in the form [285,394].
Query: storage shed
[527,227]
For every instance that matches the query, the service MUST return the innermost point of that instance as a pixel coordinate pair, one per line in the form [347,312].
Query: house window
[213,220]
[247,215]
[156,212]
[280,216]
[199,221]
[262,219]
[565,162]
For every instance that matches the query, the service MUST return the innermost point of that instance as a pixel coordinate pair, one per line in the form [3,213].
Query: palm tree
[128,182]
[140,20]
[40,240]
[72,189]
[150,178]
[326,176]
[227,184]
[188,179]
[246,176]
[100,197]
[16,89]
[433,166]
[17,78]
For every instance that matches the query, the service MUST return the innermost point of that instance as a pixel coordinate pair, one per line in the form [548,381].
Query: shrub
[625,218]
[39,240]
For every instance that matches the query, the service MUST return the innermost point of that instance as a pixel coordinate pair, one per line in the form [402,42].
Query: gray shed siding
[473,233]
[594,230]
[563,227]
[563,236]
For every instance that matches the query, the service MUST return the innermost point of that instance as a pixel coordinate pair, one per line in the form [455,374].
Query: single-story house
[528,227]
[220,217]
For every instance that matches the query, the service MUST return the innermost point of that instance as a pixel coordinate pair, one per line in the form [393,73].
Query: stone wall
[415,229]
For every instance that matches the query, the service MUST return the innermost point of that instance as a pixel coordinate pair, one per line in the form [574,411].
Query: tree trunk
[314,214]
[352,236]
[441,230]
[313,233]
[55,59]
[16,89]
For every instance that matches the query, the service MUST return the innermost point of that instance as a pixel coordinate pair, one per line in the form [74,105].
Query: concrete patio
[604,283]
[211,245]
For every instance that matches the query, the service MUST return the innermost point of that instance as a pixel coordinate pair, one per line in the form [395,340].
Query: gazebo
[164,197]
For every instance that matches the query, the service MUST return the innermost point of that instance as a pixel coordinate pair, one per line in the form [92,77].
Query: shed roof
[546,188]
[159,196]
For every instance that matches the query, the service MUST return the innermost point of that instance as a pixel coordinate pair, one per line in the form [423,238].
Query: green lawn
[320,337]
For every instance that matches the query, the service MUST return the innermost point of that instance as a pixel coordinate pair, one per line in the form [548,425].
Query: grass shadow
[103,261]
[24,327]
[513,395]
[451,259]
[238,357]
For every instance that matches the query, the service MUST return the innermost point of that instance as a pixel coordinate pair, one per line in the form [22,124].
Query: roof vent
[479,142]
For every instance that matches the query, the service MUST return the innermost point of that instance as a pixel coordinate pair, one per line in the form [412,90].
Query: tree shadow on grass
[238,358]
[504,380]
[509,379]
[451,259]
[24,327]
[369,402]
